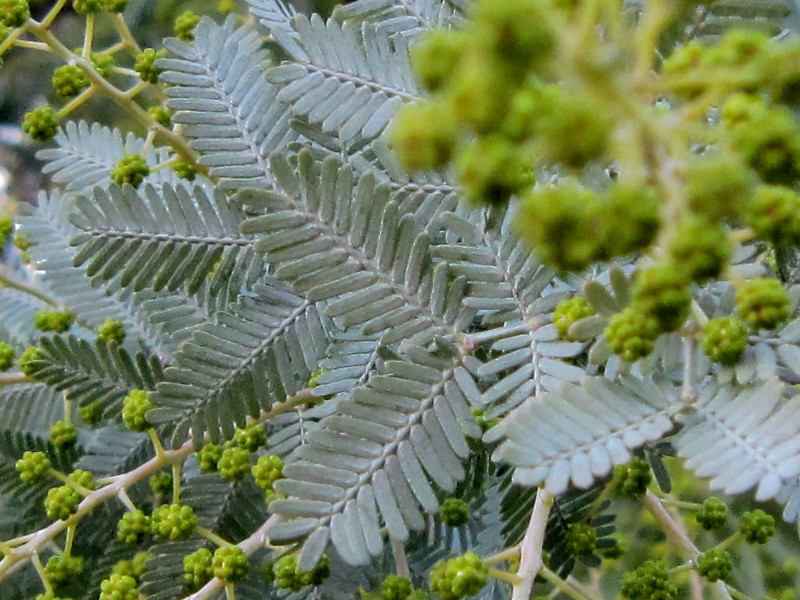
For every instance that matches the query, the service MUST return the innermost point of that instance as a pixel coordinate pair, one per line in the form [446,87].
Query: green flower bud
[63,434]
[161,115]
[632,479]
[41,124]
[6,356]
[715,565]
[134,408]
[724,340]
[111,330]
[51,320]
[86,7]
[763,303]
[581,539]
[14,13]
[774,214]
[630,334]
[230,564]
[185,24]
[435,58]
[145,64]
[423,136]
[119,587]
[757,526]
[33,467]
[650,581]
[514,31]
[700,249]
[131,169]
[661,293]
[198,569]
[454,512]
[560,222]
[491,170]
[174,522]
[713,514]
[29,360]
[61,502]
[716,185]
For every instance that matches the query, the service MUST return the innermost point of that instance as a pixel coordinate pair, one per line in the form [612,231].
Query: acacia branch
[530,562]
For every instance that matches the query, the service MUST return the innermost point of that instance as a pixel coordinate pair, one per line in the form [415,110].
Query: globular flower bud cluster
[713,514]
[41,124]
[651,581]
[715,565]
[724,340]
[133,527]
[251,438]
[581,539]
[632,479]
[762,303]
[87,7]
[62,570]
[161,483]
[234,463]
[287,575]
[33,467]
[53,320]
[161,115]
[119,587]
[29,360]
[145,64]
[395,587]
[630,334]
[454,512]
[131,169]
[133,568]
[14,13]
[757,527]
[111,330]
[185,24]
[134,410]
[61,502]
[197,568]
[63,434]
[69,81]
[267,470]
[455,578]
[230,564]
[208,456]
[6,356]
[174,522]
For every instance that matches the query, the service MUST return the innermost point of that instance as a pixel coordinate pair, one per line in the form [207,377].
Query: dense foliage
[430,298]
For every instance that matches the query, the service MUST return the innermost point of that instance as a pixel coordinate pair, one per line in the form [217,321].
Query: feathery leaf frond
[579,433]
[348,79]
[227,108]
[262,350]
[158,238]
[101,372]
[389,444]
[743,438]
[344,241]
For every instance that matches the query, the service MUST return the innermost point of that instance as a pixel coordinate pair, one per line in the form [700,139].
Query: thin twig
[676,533]
[530,562]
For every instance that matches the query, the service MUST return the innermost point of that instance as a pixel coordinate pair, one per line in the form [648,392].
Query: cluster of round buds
[52,320]
[651,581]
[288,576]
[134,410]
[174,522]
[455,578]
